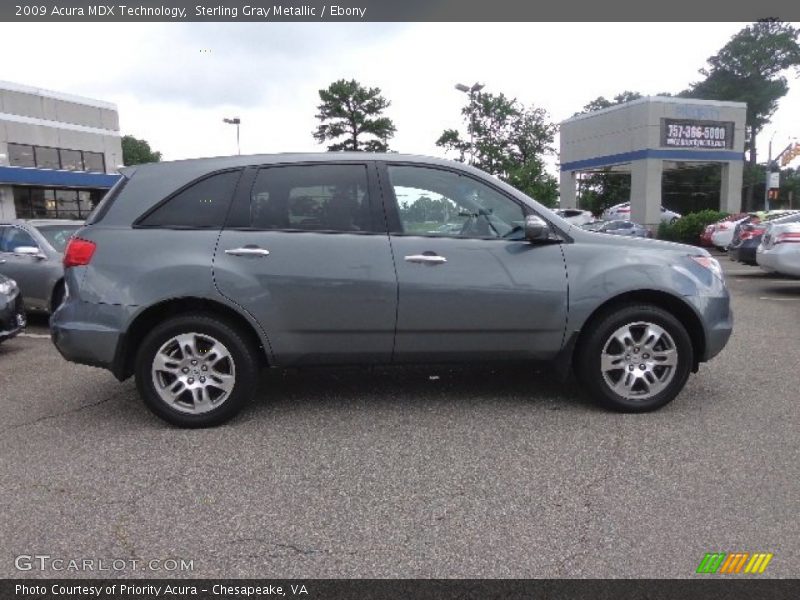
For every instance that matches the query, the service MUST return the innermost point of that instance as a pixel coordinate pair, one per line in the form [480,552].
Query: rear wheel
[196,370]
[635,359]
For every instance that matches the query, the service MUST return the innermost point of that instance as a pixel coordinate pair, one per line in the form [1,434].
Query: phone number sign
[683,133]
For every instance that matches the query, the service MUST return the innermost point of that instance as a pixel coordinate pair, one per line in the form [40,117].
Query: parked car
[575,216]
[719,234]
[622,212]
[12,313]
[31,253]
[619,228]
[779,249]
[191,275]
[747,235]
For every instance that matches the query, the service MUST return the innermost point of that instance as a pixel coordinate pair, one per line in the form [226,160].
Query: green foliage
[348,113]
[137,152]
[509,140]
[688,228]
[601,102]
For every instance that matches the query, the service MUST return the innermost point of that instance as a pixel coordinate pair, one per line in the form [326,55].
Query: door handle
[426,259]
[247,251]
[2,261]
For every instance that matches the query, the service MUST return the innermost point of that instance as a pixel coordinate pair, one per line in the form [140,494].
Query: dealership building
[59,153]
[649,136]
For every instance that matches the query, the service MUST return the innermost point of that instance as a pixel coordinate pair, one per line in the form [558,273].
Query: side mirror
[536,229]
[29,251]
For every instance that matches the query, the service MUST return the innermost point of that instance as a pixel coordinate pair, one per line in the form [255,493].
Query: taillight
[78,253]
[787,238]
[749,234]
[723,226]
[623,210]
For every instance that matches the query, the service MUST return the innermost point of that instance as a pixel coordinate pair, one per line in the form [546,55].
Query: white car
[622,212]
[779,249]
[723,233]
[576,216]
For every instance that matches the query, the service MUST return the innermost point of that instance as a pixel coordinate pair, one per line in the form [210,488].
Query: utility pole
[235,121]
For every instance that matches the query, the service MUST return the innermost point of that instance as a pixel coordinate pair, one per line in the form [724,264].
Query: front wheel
[196,370]
[635,359]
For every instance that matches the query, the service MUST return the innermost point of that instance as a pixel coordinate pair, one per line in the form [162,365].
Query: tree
[508,140]
[349,112]
[750,68]
[601,102]
[136,151]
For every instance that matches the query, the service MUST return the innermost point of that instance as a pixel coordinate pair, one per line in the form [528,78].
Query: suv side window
[202,205]
[14,238]
[312,198]
[439,202]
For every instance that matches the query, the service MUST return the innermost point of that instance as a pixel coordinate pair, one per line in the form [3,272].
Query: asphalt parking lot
[424,472]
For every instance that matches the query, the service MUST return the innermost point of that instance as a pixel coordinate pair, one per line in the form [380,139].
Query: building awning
[53,177]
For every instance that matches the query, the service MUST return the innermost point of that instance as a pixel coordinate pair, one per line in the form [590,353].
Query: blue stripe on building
[52,177]
[625,157]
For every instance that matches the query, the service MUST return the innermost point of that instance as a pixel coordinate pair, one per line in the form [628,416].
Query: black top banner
[395,10]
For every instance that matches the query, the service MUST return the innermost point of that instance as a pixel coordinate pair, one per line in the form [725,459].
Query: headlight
[712,264]
[8,287]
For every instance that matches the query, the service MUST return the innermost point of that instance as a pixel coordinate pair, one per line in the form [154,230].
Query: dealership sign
[690,133]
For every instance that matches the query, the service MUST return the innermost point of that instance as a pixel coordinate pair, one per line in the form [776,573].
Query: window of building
[202,205]
[20,155]
[94,161]
[47,158]
[312,197]
[48,203]
[71,160]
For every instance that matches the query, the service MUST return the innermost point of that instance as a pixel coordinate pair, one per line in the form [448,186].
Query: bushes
[687,229]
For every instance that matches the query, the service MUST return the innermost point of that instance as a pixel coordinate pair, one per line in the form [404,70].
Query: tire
[667,359]
[170,383]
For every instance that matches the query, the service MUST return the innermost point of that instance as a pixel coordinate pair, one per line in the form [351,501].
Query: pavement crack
[64,413]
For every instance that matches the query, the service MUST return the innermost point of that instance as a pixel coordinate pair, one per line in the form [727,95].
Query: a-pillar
[646,191]
[567,190]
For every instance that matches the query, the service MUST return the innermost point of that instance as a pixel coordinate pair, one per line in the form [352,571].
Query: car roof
[228,162]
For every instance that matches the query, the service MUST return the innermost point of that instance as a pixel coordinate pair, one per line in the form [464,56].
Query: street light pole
[235,121]
[767,171]
[471,91]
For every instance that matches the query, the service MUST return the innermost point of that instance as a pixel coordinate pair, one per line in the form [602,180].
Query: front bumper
[12,317]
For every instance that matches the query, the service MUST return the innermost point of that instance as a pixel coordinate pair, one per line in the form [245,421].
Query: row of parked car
[770,239]
[31,253]
[615,220]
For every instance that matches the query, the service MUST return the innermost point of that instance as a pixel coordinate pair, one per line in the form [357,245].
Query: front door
[306,252]
[470,285]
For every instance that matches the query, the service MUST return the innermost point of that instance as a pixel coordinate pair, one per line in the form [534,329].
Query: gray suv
[192,275]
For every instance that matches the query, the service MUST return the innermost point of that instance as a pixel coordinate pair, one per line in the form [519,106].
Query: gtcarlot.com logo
[734,562]
[46,562]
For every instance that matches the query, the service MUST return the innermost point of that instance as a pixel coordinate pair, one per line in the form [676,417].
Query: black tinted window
[311,197]
[201,205]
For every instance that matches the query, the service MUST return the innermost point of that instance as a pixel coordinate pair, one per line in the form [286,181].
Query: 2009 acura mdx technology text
[192,275]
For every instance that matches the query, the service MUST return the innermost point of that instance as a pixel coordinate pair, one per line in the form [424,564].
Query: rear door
[30,272]
[470,285]
[306,252]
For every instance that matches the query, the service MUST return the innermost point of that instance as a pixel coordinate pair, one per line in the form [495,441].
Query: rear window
[202,205]
[105,203]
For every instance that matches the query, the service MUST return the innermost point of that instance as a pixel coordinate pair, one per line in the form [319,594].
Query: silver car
[779,250]
[30,253]
[194,274]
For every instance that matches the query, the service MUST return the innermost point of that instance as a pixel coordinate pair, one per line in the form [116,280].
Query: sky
[175,82]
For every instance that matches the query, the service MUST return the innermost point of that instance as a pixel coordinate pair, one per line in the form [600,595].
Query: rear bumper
[89,334]
[782,258]
[12,318]
[745,253]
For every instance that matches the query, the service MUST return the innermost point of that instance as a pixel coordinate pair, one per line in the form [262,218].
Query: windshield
[58,235]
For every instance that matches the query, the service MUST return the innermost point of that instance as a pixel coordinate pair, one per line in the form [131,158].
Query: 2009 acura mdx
[191,275]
